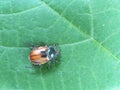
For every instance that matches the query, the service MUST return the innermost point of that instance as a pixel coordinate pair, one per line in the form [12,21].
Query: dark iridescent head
[53,52]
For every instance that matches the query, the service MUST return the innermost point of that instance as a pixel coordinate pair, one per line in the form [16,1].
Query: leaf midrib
[90,37]
[97,42]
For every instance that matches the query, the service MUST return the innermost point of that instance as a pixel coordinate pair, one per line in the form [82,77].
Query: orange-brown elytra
[43,54]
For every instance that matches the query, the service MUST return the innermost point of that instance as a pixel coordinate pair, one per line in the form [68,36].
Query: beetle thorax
[51,53]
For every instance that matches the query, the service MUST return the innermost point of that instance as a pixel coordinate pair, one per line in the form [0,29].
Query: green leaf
[88,34]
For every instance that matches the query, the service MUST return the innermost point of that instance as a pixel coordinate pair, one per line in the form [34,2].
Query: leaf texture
[87,32]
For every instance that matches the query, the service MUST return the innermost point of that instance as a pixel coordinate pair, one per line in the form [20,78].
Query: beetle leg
[28,66]
[36,64]
[48,67]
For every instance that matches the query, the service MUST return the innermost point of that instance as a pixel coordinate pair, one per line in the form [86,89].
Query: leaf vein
[80,42]
[108,37]
[92,23]
[97,42]
[20,12]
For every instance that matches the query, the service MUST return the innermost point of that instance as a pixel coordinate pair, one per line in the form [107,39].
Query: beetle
[43,54]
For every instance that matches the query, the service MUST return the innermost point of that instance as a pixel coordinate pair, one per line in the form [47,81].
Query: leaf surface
[88,35]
